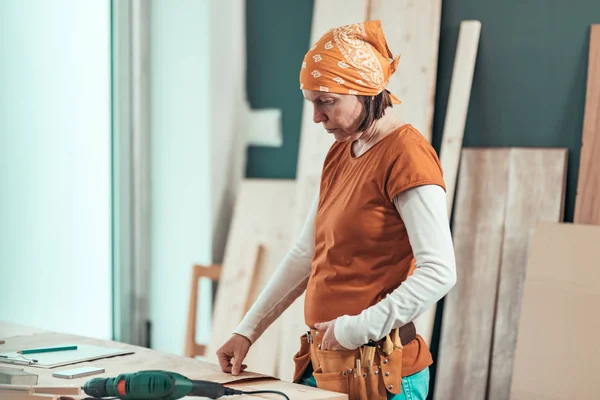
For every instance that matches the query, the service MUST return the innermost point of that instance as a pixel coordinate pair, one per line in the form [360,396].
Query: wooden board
[468,318]
[35,389]
[454,127]
[258,241]
[7,330]
[412,29]
[503,194]
[587,203]
[536,192]
[314,144]
[293,323]
[558,352]
[458,104]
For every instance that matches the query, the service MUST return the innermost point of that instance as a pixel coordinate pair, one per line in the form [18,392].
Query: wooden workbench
[18,337]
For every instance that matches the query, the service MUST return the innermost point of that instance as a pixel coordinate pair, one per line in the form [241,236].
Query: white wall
[228,113]
[180,166]
[55,135]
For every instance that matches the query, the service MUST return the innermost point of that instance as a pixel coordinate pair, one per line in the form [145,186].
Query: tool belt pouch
[301,359]
[337,371]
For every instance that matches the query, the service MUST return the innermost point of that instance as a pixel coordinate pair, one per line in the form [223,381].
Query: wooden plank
[16,388]
[8,330]
[536,192]
[293,323]
[262,220]
[314,140]
[314,144]
[293,391]
[26,396]
[502,195]
[454,127]
[469,307]
[458,104]
[558,352]
[587,203]
[412,28]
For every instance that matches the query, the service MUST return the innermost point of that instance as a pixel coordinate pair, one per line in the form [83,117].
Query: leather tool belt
[368,372]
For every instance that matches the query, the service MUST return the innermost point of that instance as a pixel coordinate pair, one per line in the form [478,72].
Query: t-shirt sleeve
[415,165]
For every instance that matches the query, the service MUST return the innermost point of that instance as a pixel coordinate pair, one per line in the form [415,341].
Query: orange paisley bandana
[351,59]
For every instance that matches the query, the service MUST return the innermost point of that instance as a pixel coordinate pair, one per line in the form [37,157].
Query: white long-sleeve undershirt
[423,210]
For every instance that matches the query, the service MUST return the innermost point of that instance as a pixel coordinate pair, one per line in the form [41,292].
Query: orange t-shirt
[362,249]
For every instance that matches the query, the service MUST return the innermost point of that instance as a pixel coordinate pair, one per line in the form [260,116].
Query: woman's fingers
[232,354]
[224,360]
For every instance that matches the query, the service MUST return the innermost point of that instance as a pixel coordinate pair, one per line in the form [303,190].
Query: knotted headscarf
[351,59]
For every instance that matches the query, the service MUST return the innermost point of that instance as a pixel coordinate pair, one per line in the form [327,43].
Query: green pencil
[47,350]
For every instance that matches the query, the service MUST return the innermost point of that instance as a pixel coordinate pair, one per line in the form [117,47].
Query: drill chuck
[96,387]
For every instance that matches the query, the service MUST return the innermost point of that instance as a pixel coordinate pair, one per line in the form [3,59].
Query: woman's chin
[340,136]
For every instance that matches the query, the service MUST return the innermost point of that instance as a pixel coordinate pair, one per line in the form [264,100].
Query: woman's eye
[328,102]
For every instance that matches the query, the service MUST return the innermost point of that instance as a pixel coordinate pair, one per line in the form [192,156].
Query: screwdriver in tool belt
[368,354]
[396,339]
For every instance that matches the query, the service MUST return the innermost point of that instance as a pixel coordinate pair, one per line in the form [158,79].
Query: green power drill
[158,385]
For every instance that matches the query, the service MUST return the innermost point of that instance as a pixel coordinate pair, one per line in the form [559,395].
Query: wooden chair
[212,272]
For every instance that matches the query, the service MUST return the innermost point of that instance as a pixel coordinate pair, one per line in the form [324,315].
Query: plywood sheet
[469,307]
[314,140]
[294,392]
[293,323]
[458,104]
[558,352]
[314,144]
[536,187]
[502,195]
[587,203]
[262,220]
[454,127]
[412,29]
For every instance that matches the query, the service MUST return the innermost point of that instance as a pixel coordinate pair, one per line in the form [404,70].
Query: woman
[375,251]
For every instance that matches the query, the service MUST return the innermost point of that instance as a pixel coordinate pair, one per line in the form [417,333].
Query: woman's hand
[235,348]
[329,341]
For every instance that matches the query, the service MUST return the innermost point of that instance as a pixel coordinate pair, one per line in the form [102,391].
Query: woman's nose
[318,116]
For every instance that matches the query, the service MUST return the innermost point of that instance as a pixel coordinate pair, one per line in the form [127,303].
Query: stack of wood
[520,322]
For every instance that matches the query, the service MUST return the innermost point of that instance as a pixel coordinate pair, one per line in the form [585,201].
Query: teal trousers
[414,387]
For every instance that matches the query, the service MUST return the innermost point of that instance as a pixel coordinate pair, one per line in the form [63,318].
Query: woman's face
[340,114]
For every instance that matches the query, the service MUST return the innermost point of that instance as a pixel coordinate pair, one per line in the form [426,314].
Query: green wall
[278,35]
[530,77]
[528,88]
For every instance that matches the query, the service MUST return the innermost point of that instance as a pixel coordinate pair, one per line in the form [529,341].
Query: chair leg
[213,272]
